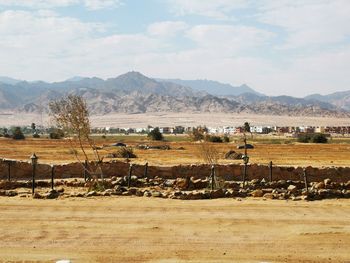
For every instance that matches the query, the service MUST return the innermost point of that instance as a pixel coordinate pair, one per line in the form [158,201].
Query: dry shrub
[208,153]
[125,152]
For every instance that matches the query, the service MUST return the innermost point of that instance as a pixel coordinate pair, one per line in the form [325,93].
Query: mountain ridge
[134,92]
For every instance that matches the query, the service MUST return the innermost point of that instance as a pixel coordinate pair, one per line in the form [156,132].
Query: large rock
[292,189]
[156,194]
[91,193]
[182,183]
[195,195]
[269,196]
[257,193]
[320,185]
[52,194]
[219,193]
[198,183]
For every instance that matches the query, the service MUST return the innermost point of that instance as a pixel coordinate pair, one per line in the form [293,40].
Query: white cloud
[228,38]
[308,23]
[101,4]
[42,44]
[89,4]
[212,8]
[166,28]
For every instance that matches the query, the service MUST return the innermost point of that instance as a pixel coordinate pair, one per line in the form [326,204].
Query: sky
[276,47]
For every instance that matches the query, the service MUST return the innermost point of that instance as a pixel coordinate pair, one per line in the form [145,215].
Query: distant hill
[8,80]
[135,93]
[340,99]
[213,87]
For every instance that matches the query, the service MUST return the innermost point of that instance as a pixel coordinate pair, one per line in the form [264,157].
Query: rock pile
[185,189]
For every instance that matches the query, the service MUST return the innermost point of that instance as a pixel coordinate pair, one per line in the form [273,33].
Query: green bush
[319,138]
[17,134]
[314,138]
[56,134]
[304,138]
[35,135]
[226,139]
[155,135]
[213,138]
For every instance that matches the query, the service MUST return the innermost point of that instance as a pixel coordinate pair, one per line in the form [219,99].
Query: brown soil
[127,229]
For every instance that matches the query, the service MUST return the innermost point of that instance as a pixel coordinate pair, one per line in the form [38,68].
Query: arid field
[141,229]
[282,151]
[126,229]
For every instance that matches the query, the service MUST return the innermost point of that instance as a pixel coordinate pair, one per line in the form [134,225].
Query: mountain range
[135,93]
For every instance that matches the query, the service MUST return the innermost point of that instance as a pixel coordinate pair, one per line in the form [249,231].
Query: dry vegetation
[280,151]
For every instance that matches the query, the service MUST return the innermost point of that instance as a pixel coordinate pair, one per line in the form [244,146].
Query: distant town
[288,131]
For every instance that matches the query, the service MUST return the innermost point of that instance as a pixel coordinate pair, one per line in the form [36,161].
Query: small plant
[198,133]
[155,135]
[319,138]
[56,134]
[209,138]
[35,135]
[226,139]
[125,152]
[314,138]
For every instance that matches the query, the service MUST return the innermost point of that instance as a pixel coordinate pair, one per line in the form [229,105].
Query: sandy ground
[162,119]
[136,229]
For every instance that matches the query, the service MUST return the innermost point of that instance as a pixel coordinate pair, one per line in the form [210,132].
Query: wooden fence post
[85,170]
[129,176]
[270,166]
[146,171]
[212,177]
[9,171]
[52,176]
[305,180]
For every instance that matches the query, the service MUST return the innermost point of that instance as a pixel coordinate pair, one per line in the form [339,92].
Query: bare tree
[208,153]
[71,114]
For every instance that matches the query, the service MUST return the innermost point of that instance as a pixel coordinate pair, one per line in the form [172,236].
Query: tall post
[212,177]
[129,176]
[270,166]
[9,171]
[52,176]
[146,171]
[305,180]
[34,160]
[85,170]
[244,174]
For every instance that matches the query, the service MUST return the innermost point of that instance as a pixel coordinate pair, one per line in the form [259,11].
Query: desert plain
[140,229]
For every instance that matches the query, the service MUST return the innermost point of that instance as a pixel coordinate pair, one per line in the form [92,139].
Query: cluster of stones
[193,189]
[188,189]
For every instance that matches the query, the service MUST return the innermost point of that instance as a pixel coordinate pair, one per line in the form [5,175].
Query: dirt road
[128,229]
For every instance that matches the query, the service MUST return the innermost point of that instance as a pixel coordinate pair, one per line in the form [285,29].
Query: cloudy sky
[277,47]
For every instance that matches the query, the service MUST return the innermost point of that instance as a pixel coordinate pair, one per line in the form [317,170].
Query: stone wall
[23,171]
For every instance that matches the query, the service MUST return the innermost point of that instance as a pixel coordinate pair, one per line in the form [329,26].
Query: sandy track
[131,229]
